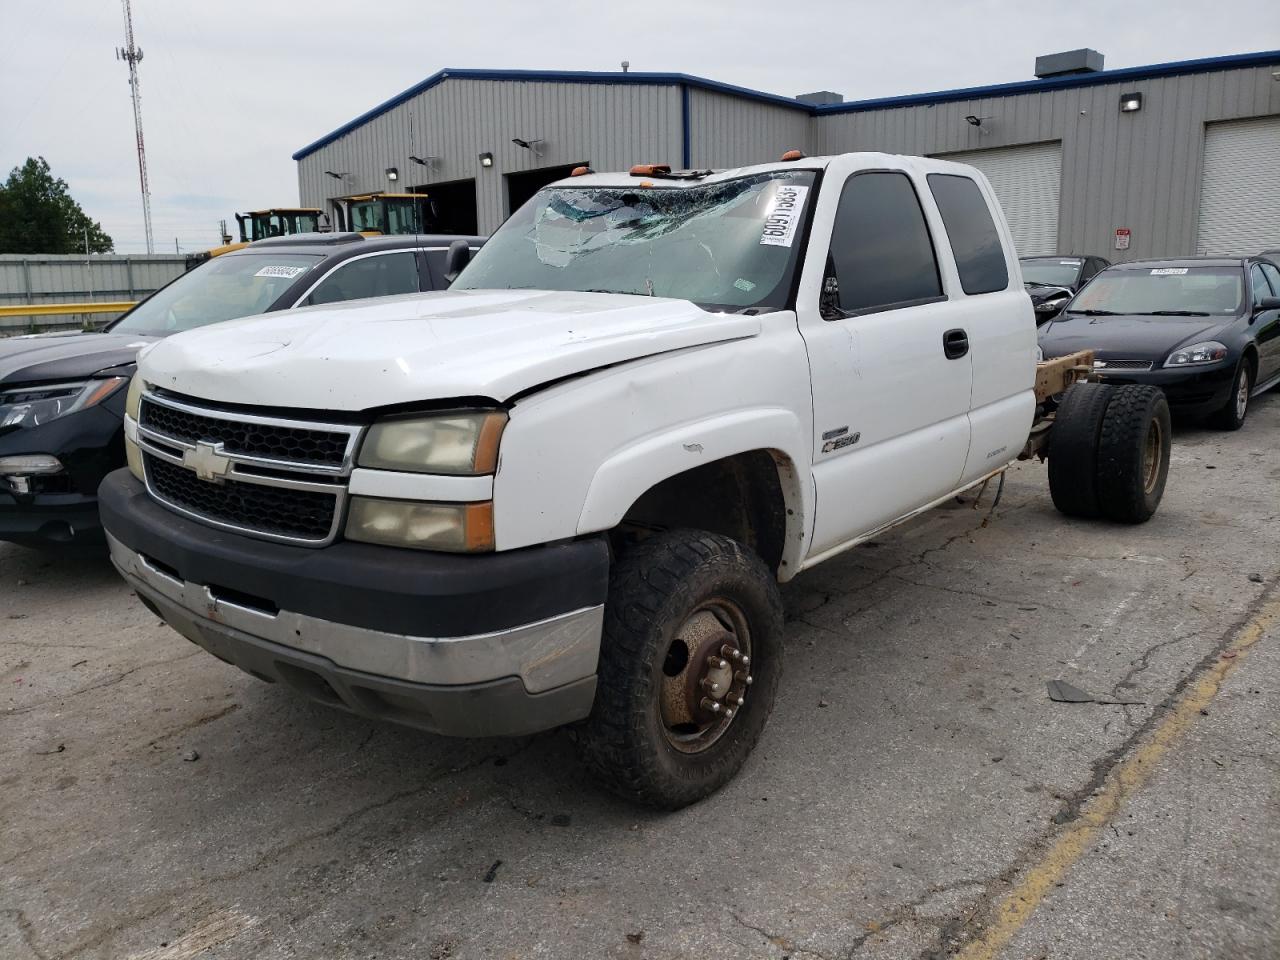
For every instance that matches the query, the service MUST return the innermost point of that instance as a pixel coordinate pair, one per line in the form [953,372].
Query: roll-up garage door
[1240,187]
[1027,180]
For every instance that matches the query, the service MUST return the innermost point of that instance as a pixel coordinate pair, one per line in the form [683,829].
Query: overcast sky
[231,88]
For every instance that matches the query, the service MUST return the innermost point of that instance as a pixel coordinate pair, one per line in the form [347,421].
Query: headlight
[33,406]
[455,527]
[133,402]
[1209,351]
[457,443]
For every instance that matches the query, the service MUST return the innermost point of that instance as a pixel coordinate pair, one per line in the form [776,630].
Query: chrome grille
[267,477]
[256,439]
[1122,364]
[299,514]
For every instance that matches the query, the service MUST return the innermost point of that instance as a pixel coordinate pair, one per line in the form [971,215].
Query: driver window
[1273,274]
[1260,286]
[379,276]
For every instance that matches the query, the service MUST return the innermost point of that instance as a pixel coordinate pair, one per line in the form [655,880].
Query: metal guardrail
[56,309]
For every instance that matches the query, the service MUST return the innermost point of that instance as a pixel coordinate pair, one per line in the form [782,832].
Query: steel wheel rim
[705,676]
[1242,394]
[1152,456]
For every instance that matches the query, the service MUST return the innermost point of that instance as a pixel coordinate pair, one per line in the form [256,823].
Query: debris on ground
[51,751]
[636,937]
[1255,577]
[1062,692]
[492,873]
[190,756]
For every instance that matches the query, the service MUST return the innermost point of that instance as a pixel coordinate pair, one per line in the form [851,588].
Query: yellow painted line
[57,309]
[1027,894]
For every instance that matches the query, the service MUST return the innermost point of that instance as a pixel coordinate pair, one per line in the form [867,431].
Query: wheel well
[739,496]
[1251,354]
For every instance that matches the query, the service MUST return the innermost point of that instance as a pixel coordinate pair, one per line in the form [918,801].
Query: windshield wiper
[1178,313]
[1095,313]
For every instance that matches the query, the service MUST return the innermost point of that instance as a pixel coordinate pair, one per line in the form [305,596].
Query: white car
[564,491]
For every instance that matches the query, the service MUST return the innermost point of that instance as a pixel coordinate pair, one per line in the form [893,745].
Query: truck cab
[565,491]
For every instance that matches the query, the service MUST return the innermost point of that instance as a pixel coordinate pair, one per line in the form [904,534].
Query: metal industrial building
[1162,160]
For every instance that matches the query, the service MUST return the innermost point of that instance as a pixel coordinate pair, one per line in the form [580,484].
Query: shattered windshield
[732,244]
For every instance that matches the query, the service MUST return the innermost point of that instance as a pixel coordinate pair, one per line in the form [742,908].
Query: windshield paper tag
[780,224]
[1168,271]
[287,272]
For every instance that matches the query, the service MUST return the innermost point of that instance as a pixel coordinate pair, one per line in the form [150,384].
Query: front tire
[689,668]
[1231,416]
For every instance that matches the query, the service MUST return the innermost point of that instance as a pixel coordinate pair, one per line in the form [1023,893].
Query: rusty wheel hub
[705,676]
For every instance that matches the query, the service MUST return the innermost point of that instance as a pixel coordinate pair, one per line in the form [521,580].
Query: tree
[38,215]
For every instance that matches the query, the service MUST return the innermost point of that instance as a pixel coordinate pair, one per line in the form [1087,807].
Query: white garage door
[1027,180]
[1240,187]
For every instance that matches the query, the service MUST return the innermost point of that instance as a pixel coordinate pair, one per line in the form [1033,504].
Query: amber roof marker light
[792,155]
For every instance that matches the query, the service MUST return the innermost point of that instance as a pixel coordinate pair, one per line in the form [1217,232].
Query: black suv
[62,395]
[1051,281]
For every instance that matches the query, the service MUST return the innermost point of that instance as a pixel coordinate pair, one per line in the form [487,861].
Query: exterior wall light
[1130,102]
[486,159]
[393,174]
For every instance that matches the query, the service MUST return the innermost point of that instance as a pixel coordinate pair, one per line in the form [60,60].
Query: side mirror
[459,256]
[1265,304]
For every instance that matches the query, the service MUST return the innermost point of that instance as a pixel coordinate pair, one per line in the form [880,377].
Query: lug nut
[741,701]
[732,652]
[743,677]
[728,713]
[710,685]
[745,661]
[710,705]
[715,663]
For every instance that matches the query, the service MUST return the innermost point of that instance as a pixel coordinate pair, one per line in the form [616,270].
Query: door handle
[955,344]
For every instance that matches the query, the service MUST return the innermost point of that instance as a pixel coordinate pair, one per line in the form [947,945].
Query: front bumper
[1191,390]
[49,519]
[494,645]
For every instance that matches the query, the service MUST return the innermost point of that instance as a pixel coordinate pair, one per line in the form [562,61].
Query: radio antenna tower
[131,54]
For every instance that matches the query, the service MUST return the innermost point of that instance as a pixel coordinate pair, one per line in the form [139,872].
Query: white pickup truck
[564,491]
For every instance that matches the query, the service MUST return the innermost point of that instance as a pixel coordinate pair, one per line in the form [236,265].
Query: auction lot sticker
[1168,271]
[280,271]
[780,224]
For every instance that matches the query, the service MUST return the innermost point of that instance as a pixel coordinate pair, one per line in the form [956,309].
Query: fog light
[34,464]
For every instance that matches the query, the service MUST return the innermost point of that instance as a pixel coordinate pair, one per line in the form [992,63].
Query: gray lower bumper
[517,681]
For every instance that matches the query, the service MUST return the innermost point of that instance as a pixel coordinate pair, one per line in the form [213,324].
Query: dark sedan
[1206,330]
[62,395]
[1051,281]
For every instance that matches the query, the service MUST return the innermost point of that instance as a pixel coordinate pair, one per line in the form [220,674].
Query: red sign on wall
[1122,238]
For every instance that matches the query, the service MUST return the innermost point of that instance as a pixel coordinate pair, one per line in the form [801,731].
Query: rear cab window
[975,242]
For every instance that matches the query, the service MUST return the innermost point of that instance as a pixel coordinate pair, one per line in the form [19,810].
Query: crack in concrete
[783,943]
[1100,770]
[26,931]
[169,897]
[27,708]
[198,722]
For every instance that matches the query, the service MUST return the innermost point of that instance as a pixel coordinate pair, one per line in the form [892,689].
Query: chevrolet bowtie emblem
[207,461]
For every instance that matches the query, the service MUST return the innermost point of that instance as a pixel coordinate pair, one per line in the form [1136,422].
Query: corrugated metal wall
[47,278]
[610,126]
[727,131]
[1139,170]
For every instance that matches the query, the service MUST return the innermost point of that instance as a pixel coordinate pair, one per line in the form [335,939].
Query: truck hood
[54,357]
[437,346]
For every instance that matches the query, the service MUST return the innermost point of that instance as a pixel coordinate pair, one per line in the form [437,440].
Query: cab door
[890,364]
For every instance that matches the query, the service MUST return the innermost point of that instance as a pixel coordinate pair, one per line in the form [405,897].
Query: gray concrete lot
[914,776]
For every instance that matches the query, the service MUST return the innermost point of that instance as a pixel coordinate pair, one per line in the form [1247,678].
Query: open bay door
[1240,188]
[1028,182]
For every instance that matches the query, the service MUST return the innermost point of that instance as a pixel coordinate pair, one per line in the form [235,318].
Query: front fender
[629,472]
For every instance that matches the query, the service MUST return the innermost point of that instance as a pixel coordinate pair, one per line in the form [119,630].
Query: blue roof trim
[554,76]
[1207,65]
[1176,68]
